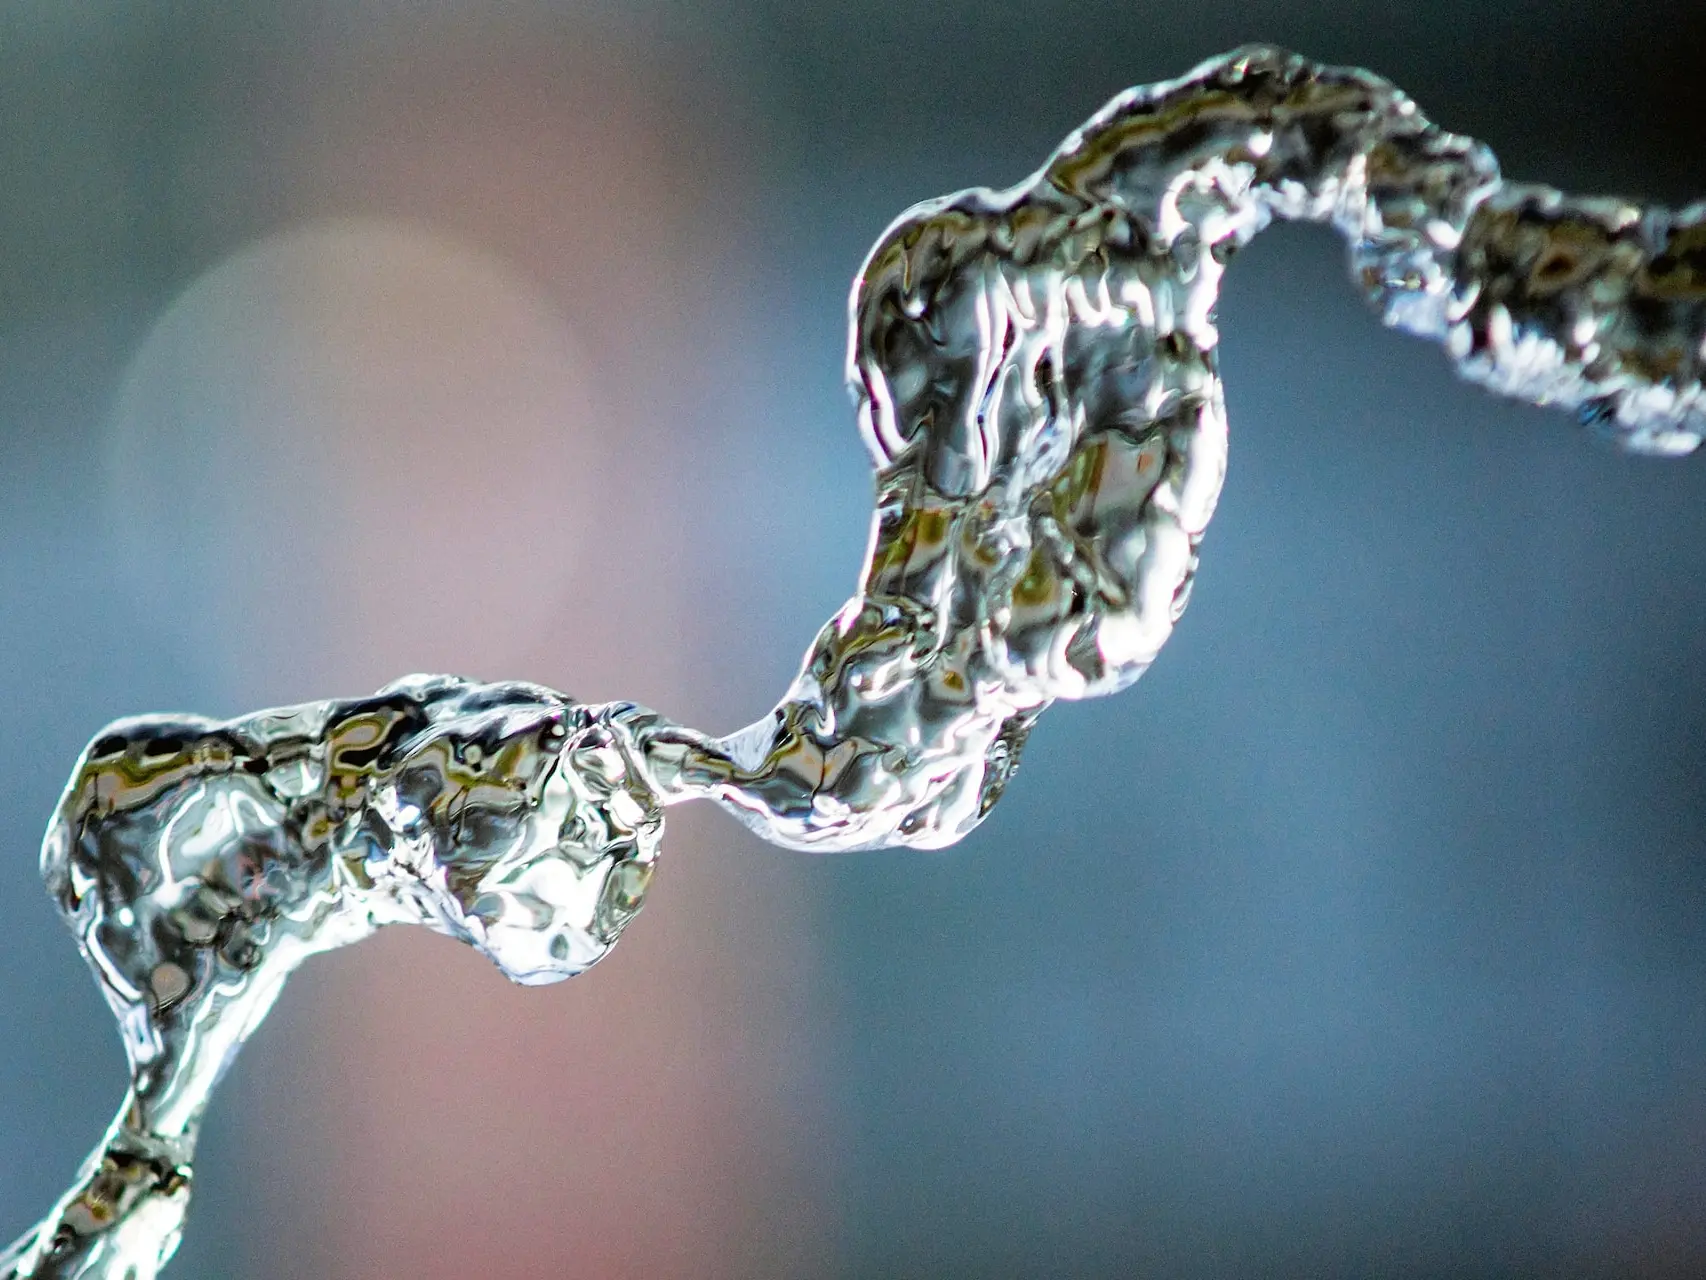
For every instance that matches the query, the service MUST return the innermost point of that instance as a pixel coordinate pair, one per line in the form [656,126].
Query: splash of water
[1036,379]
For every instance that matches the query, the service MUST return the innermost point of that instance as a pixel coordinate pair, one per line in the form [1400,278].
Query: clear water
[1035,376]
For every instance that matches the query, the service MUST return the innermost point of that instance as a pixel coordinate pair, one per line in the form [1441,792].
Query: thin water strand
[1036,379]
[199,863]
[1035,376]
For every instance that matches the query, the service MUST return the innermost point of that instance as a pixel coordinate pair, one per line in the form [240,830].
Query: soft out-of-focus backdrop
[1367,936]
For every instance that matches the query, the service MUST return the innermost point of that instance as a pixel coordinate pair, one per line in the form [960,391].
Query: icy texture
[199,863]
[1036,379]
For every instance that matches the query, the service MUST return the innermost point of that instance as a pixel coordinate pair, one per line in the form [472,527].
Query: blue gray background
[1365,937]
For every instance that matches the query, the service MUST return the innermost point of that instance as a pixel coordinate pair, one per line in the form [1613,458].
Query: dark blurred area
[1366,936]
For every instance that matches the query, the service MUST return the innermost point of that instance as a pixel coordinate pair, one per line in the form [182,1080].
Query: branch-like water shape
[1035,375]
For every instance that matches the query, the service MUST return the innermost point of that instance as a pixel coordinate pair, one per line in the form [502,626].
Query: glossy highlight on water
[1035,375]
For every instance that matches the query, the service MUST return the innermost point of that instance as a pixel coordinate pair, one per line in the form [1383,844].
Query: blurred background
[1365,937]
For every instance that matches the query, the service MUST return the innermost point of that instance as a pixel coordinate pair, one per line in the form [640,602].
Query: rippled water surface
[1035,377]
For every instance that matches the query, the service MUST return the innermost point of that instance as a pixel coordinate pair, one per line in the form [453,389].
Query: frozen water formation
[1035,376]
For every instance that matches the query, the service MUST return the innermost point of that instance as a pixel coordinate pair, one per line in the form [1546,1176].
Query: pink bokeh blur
[427,407]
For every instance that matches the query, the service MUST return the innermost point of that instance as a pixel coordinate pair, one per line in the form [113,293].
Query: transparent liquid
[1035,376]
